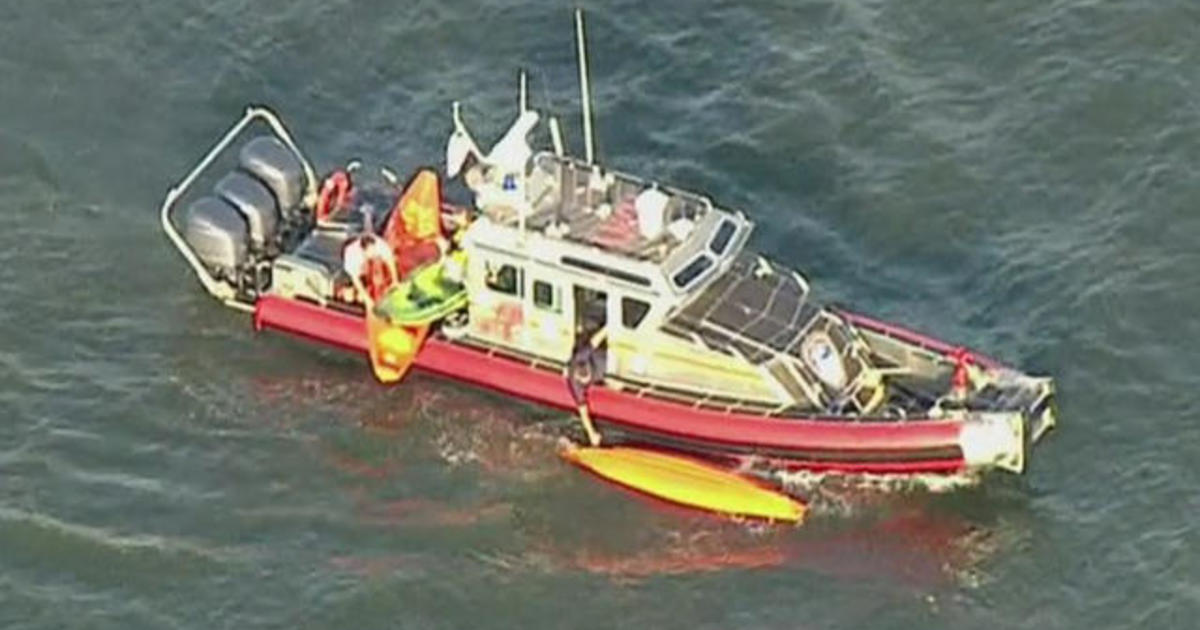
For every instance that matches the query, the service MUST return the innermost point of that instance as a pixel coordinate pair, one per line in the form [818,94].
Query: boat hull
[816,443]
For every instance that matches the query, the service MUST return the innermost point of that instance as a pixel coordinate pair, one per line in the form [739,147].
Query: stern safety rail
[224,292]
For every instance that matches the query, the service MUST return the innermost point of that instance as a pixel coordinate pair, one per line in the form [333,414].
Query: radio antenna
[584,88]
[523,93]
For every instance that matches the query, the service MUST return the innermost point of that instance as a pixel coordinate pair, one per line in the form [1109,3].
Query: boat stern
[1003,439]
[1042,415]
[994,440]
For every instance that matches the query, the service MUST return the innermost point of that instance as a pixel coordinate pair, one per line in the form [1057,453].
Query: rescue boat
[576,286]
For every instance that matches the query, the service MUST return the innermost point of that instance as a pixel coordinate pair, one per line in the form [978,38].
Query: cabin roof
[630,221]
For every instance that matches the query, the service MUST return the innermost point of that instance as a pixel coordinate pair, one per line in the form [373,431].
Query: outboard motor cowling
[275,165]
[217,235]
[255,203]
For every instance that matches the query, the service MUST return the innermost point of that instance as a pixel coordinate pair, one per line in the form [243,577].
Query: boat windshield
[716,238]
[692,271]
[720,240]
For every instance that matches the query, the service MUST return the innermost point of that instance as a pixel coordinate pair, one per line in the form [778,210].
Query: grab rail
[217,289]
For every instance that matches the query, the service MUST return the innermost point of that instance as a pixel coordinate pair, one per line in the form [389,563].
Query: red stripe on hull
[312,322]
[939,466]
[714,429]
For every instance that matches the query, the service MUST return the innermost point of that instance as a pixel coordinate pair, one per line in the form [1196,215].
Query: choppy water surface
[1020,176]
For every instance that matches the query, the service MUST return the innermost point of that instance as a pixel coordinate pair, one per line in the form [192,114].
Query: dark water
[1021,176]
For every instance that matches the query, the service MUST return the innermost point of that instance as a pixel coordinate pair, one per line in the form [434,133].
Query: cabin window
[504,279]
[545,296]
[633,311]
[692,270]
[720,240]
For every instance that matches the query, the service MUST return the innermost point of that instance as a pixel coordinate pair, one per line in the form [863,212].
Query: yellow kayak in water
[687,482]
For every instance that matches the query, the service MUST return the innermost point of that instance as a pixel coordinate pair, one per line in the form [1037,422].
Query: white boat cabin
[562,248]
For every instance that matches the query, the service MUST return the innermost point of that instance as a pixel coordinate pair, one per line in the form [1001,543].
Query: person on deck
[371,267]
[587,367]
[966,378]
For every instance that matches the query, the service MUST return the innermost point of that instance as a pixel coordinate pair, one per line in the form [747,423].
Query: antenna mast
[523,98]
[556,137]
[584,88]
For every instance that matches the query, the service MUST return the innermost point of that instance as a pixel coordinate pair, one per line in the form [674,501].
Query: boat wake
[845,495]
[502,442]
[875,527]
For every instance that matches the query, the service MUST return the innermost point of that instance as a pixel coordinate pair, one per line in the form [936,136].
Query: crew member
[964,379]
[587,367]
[371,267]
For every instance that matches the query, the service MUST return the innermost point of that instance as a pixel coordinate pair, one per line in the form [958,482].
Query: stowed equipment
[269,226]
[405,277]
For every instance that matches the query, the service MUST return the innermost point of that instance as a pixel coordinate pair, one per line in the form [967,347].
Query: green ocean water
[1017,176]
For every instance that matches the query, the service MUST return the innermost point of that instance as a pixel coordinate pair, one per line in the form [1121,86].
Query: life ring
[334,193]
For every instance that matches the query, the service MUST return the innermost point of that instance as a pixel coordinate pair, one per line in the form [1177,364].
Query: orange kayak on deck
[687,482]
[416,224]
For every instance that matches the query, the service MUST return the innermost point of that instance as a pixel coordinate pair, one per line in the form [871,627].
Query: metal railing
[220,290]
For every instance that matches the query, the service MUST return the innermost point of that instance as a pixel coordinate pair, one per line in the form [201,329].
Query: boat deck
[575,201]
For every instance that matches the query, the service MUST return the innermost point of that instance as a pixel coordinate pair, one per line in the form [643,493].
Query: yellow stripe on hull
[687,482]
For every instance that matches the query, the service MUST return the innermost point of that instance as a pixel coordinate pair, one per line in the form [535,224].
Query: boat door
[591,315]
